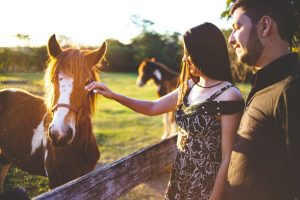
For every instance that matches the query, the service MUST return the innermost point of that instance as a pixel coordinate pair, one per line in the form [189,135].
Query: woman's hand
[100,88]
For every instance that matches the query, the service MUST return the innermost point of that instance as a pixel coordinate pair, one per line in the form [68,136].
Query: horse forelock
[147,66]
[73,63]
[92,96]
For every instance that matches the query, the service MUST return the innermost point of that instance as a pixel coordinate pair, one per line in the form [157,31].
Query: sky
[90,22]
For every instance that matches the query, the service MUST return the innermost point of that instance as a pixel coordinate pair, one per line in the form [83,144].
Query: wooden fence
[114,180]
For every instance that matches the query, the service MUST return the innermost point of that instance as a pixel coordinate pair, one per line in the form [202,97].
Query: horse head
[68,71]
[148,70]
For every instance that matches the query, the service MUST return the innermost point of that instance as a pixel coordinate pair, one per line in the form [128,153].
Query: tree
[144,24]
[39,58]
[4,54]
[172,50]
[118,57]
[64,40]
[165,48]
[23,37]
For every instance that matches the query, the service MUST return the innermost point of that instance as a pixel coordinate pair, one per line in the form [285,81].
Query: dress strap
[217,93]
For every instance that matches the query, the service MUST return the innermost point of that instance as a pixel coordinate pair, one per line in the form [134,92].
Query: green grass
[34,81]
[118,130]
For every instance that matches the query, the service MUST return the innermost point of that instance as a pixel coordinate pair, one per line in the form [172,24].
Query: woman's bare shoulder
[231,94]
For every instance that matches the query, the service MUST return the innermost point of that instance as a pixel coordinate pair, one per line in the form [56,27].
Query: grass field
[119,131]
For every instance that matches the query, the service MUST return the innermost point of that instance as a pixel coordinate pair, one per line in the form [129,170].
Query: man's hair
[283,12]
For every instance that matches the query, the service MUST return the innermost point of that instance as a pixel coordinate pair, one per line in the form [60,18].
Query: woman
[208,110]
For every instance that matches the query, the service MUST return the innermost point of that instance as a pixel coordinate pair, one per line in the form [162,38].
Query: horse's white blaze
[65,89]
[39,137]
[157,74]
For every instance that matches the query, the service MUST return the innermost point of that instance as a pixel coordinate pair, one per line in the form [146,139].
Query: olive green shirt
[265,163]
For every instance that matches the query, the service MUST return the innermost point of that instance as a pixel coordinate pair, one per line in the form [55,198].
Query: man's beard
[253,49]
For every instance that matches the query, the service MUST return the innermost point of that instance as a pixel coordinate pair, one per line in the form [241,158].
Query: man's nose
[231,39]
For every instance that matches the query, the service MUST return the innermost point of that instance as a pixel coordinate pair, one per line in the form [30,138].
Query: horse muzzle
[140,83]
[60,138]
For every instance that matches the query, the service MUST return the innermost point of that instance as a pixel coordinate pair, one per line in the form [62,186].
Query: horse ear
[96,56]
[153,59]
[53,47]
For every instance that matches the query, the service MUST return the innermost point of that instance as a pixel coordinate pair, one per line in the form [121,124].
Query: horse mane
[164,67]
[71,62]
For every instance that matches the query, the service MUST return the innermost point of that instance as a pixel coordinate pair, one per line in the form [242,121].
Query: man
[265,162]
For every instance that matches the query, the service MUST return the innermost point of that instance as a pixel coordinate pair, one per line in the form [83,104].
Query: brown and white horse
[166,81]
[52,136]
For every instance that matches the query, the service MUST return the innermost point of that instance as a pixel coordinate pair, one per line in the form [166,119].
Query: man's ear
[264,26]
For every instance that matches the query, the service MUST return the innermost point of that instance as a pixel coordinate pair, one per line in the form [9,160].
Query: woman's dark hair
[206,46]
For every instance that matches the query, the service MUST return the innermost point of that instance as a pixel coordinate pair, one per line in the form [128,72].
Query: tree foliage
[165,48]
[118,57]
[144,24]
[23,59]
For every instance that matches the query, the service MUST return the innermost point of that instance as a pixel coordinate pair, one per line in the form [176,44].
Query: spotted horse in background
[166,81]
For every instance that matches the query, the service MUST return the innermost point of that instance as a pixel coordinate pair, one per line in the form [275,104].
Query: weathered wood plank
[13,81]
[114,180]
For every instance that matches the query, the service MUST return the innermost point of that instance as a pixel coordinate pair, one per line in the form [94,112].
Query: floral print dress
[199,143]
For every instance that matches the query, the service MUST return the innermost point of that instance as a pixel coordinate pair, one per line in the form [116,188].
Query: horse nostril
[69,134]
[59,138]
[69,131]
[53,135]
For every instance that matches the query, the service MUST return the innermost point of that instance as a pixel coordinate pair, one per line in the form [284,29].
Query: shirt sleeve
[291,125]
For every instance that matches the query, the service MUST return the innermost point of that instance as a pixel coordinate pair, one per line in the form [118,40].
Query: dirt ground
[153,189]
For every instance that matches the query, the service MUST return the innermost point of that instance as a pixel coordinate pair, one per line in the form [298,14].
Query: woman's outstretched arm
[164,104]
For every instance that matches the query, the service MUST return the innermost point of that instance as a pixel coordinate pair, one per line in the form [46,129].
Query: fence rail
[114,180]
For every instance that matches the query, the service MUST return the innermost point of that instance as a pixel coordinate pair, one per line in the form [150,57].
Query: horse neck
[84,121]
[82,152]
[85,142]
[165,71]
[84,128]
[85,116]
